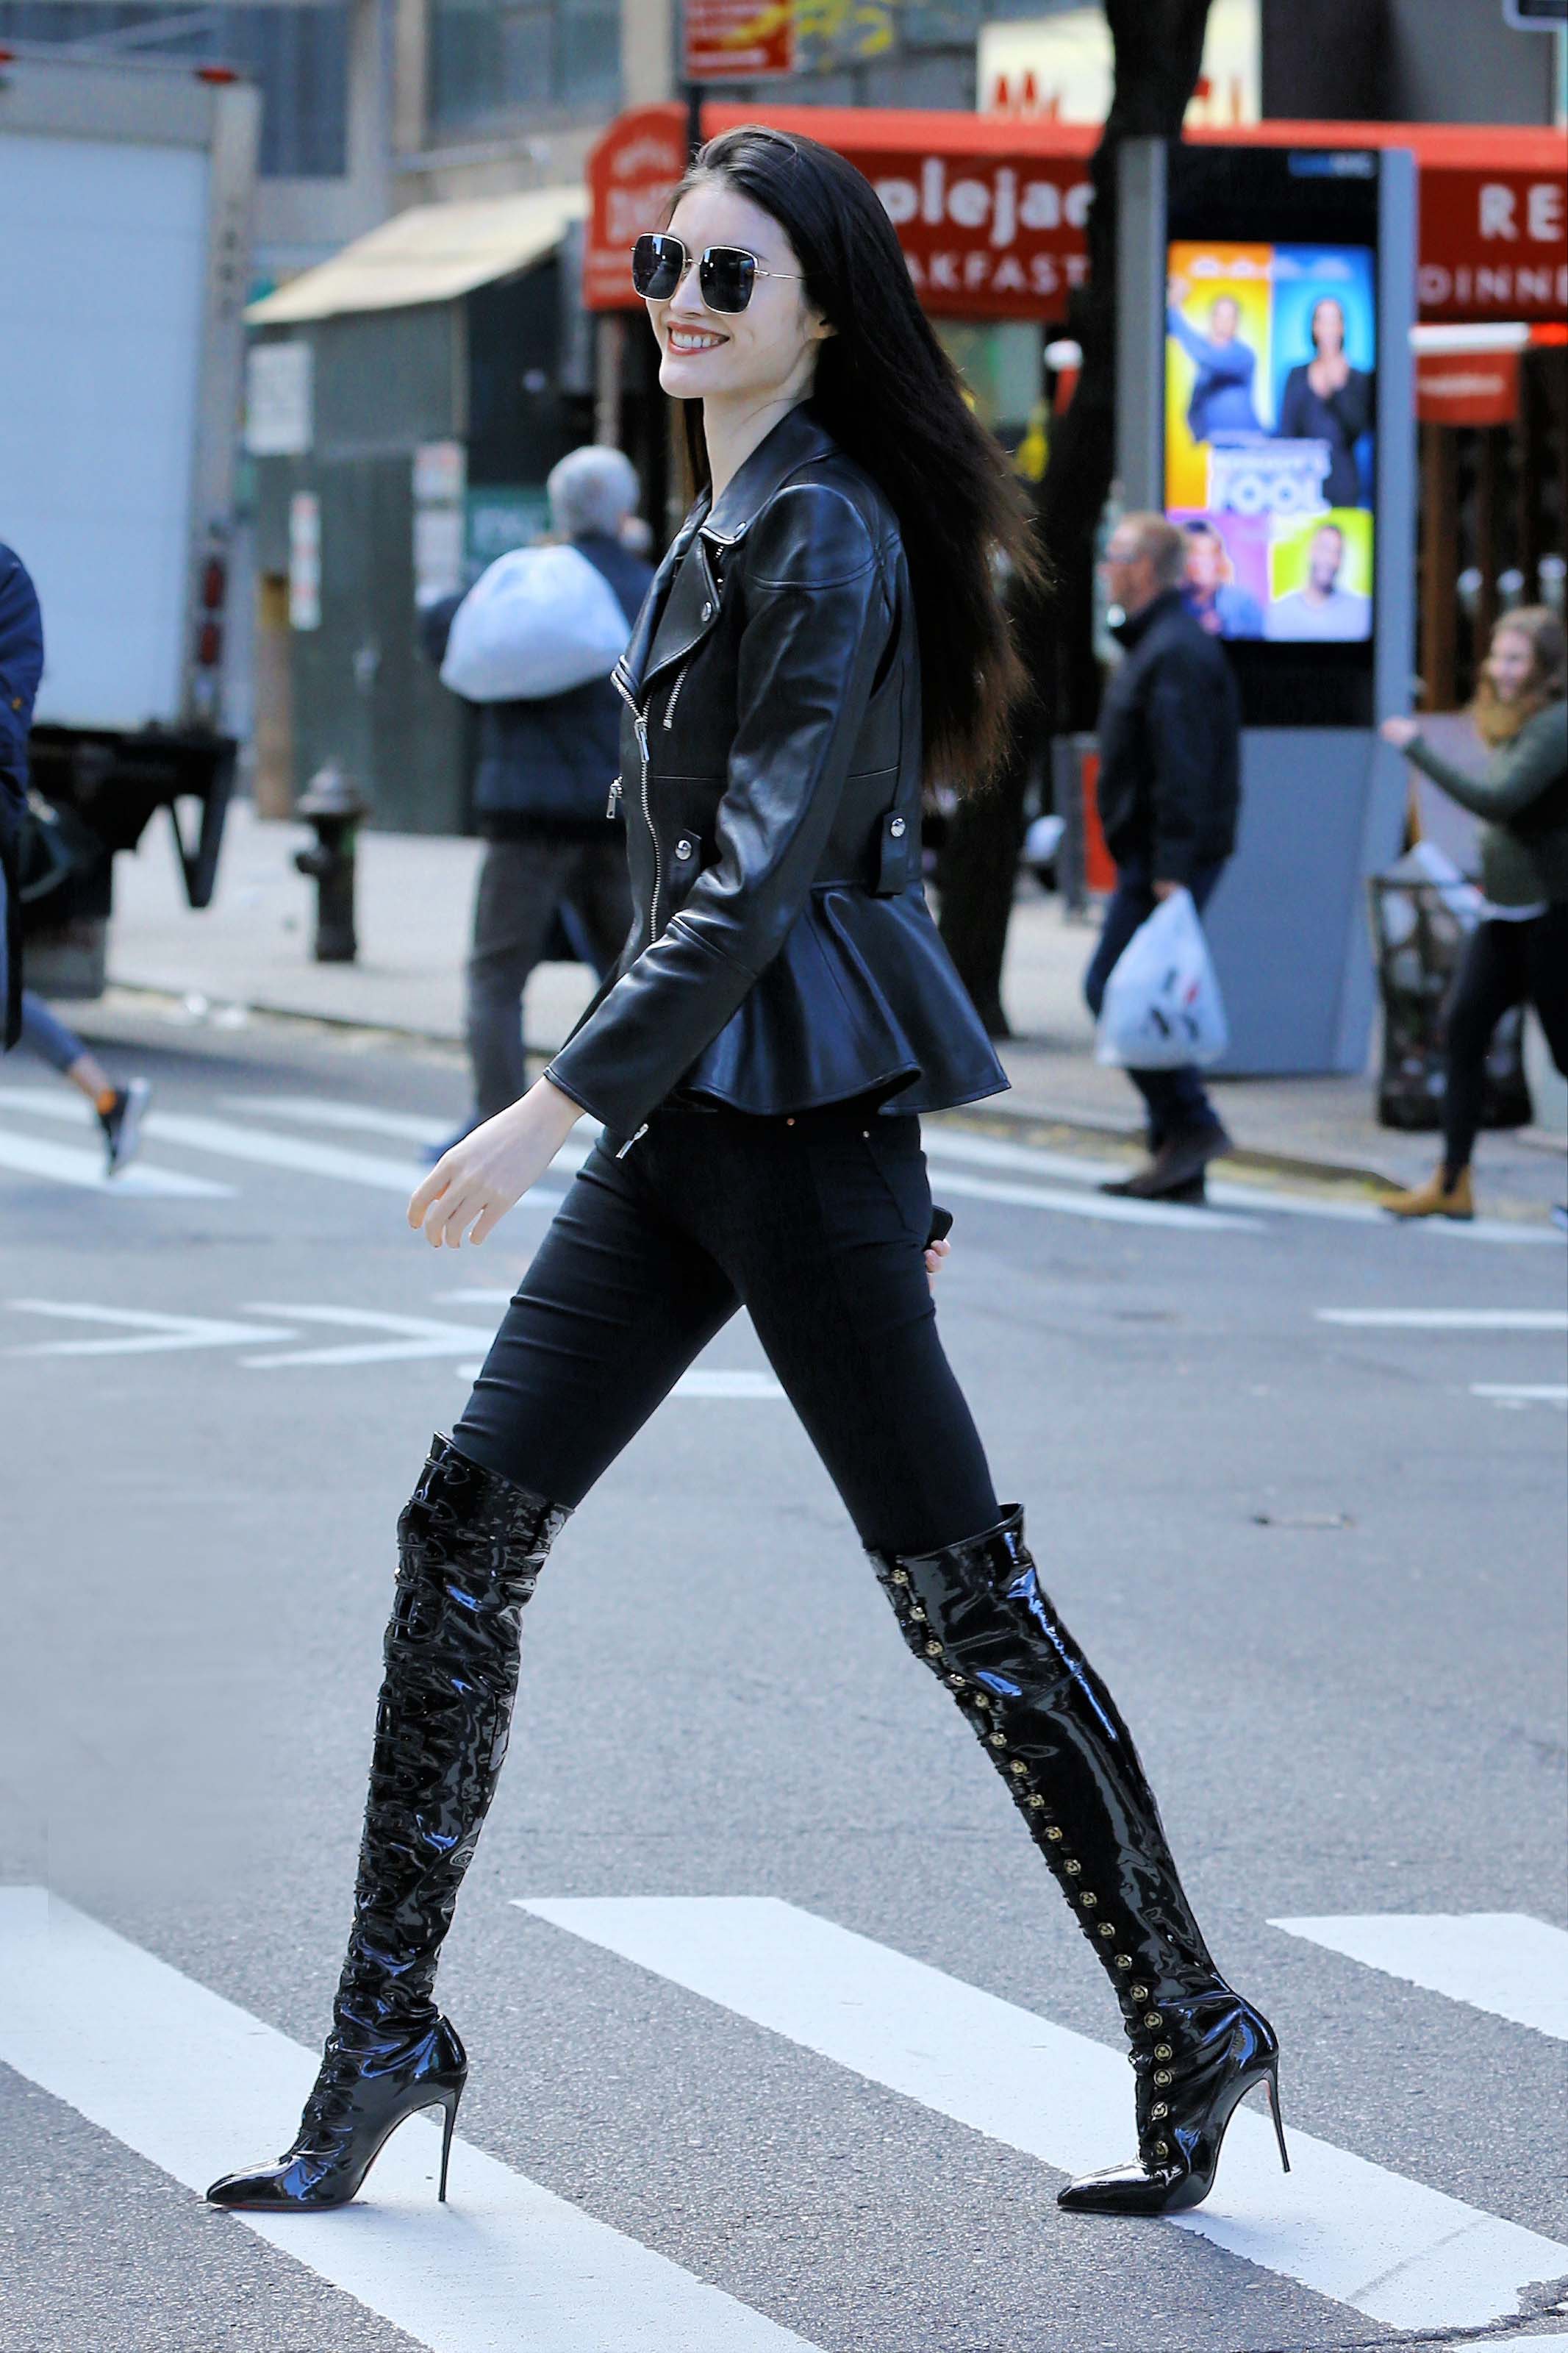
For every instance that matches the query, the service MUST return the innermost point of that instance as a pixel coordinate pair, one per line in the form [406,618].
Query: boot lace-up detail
[470,1548]
[976,1615]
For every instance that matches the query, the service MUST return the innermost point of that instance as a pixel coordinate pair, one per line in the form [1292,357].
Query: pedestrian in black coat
[540,797]
[21,667]
[1170,792]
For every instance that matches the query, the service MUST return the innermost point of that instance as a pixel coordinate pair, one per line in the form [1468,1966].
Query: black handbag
[54,845]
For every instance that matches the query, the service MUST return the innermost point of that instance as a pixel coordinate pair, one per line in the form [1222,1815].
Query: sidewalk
[252,947]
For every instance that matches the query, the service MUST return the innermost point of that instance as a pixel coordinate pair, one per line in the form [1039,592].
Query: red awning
[990,211]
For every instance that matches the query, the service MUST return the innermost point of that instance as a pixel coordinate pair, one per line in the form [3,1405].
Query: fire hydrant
[334,806]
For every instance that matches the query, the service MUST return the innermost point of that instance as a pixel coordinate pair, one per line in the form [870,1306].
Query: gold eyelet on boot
[1017,1766]
[1162,2148]
[1139,1993]
[1151,2018]
[1124,1960]
[1163,2051]
[1160,2108]
[1037,1802]
[934,1650]
[900,1576]
[1072,1867]
[1108,1928]
[1162,2076]
[1053,1832]
[998,1739]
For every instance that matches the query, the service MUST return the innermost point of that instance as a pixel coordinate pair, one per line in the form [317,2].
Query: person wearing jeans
[1170,736]
[1517,955]
[24,1019]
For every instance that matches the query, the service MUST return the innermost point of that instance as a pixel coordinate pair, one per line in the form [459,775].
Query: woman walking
[826,619]
[1518,954]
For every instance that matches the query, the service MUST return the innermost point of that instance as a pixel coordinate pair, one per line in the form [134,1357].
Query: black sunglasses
[725,273]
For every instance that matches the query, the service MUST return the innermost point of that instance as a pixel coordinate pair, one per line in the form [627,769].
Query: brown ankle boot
[1434,1199]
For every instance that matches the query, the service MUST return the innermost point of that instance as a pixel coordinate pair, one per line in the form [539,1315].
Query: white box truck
[125,205]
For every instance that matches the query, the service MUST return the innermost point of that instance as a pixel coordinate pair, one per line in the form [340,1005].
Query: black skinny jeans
[1504,964]
[817,1226]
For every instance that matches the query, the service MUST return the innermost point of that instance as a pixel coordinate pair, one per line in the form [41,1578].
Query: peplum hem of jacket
[863,998]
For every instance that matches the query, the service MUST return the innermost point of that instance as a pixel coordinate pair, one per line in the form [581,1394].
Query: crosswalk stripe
[1522,1392]
[200,1133]
[33,1155]
[1447,1319]
[1403,2254]
[193,2084]
[369,1120]
[1107,1209]
[1504,1962]
[149,1334]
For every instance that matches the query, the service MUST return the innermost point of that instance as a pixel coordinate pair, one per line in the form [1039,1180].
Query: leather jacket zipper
[639,720]
[674,695]
[615,796]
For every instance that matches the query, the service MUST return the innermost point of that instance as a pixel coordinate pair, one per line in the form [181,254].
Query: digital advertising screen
[1270,373]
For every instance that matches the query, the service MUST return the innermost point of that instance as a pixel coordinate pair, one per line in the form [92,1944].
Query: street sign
[1535,15]
[729,40]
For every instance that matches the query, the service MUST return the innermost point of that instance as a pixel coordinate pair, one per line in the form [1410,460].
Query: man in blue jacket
[21,668]
[1170,792]
[24,1015]
[541,796]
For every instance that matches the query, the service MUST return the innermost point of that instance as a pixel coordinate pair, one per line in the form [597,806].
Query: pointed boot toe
[1126,2190]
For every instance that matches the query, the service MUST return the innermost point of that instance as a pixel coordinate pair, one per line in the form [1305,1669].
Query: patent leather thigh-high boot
[976,1614]
[470,1547]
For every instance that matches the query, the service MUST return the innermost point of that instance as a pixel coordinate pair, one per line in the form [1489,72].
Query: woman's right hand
[473,1186]
[1401,733]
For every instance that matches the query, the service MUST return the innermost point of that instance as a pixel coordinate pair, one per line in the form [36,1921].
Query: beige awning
[430,254]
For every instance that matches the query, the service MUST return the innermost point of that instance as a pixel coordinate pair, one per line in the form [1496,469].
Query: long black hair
[894,401]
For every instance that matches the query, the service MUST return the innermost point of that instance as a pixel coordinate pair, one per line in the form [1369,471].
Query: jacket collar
[1138,624]
[792,443]
[682,606]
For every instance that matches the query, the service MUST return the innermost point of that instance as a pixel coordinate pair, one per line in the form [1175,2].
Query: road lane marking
[1404,2254]
[700,1382]
[1109,1208]
[413,1336]
[154,1334]
[195,2086]
[1522,1392]
[369,1120]
[64,1164]
[200,1133]
[944,1144]
[1447,1319]
[1504,1962]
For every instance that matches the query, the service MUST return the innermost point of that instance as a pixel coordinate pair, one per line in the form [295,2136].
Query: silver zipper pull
[615,796]
[630,1141]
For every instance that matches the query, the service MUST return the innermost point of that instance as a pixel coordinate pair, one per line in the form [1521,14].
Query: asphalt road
[780,2036]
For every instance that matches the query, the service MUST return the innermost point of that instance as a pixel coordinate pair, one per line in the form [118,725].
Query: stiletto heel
[1272,2080]
[447,2129]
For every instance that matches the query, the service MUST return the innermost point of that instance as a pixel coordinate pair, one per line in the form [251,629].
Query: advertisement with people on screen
[1269,410]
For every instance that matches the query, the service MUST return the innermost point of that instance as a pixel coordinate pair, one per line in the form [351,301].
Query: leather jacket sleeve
[817,618]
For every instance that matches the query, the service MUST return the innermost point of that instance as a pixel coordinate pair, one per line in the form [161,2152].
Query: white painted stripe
[413,1336]
[1522,1392]
[33,1155]
[1448,1319]
[152,1334]
[1504,1962]
[196,2085]
[370,1119]
[200,1133]
[1403,2254]
[1108,1208]
[701,1382]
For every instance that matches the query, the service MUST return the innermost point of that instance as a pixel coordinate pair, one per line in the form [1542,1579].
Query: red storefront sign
[1467,388]
[991,213]
[723,39]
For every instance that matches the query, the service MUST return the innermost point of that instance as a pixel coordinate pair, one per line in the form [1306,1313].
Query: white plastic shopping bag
[541,621]
[1162,1005]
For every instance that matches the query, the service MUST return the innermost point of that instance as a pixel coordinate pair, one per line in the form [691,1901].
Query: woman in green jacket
[1518,954]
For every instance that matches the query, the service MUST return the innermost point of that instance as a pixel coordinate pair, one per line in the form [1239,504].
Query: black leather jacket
[782,954]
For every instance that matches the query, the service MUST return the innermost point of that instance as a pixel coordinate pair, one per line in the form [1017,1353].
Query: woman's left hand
[1400,732]
[935,1253]
[473,1186]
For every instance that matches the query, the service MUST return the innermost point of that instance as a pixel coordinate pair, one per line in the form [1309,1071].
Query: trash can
[1423,911]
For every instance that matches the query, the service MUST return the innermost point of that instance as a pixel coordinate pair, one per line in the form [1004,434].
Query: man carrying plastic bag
[1170,742]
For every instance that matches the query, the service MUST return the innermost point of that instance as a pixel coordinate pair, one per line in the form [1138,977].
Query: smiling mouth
[694,339]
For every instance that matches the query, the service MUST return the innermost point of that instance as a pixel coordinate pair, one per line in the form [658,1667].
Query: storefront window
[494,59]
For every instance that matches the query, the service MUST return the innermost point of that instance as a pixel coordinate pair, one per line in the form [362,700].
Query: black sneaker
[122,1125]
